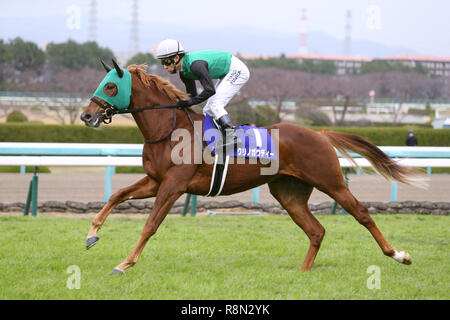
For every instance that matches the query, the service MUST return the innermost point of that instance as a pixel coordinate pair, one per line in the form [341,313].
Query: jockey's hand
[184,103]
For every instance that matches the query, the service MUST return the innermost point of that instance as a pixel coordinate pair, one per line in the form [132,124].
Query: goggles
[167,61]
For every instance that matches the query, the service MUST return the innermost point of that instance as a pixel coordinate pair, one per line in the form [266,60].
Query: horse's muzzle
[90,119]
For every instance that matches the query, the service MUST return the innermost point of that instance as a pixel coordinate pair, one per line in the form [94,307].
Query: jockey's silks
[218,63]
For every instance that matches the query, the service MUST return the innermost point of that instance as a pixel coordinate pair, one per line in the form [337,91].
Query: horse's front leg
[144,188]
[169,191]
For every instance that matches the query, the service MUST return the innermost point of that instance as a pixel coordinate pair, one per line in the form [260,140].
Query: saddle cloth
[257,142]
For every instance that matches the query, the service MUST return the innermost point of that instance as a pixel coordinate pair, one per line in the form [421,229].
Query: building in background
[344,64]
[438,66]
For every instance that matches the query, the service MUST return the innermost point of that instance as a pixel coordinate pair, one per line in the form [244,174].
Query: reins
[110,111]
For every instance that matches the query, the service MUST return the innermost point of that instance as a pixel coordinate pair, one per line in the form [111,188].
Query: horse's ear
[118,69]
[107,68]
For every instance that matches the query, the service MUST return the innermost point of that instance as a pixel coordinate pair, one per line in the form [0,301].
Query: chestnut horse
[307,159]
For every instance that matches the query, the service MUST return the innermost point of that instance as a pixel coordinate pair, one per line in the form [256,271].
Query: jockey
[205,66]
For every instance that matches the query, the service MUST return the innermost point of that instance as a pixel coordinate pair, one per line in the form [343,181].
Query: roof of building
[254,56]
[309,57]
[405,57]
[328,57]
[351,58]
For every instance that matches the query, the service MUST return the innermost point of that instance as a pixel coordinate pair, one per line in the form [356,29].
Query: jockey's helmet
[168,48]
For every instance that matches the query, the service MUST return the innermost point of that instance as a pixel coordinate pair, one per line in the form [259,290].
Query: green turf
[223,257]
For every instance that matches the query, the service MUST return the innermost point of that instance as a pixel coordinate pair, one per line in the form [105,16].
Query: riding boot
[232,140]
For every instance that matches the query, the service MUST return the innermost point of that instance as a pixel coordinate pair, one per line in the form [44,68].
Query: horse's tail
[381,162]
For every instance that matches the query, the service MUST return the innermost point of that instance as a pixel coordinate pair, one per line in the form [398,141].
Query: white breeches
[226,88]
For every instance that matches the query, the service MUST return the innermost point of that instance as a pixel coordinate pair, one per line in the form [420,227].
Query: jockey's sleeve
[190,85]
[200,69]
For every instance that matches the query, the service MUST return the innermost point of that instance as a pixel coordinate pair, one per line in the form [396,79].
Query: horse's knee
[316,236]
[365,220]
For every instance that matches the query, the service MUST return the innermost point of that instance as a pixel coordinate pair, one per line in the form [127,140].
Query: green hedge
[28,169]
[396,136]
[33,132]
[15,132]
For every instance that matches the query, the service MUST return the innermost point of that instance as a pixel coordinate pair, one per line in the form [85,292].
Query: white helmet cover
[169,47]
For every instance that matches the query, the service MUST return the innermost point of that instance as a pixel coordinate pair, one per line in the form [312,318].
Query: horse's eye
[110,89]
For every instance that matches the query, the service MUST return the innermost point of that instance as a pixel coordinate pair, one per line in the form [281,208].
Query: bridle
[110,111]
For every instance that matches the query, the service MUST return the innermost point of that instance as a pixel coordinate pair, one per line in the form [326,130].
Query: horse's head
[113,93]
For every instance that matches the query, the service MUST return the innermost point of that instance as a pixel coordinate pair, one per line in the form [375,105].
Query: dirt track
[86,187]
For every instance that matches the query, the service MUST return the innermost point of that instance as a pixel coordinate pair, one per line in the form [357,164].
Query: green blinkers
[121,95]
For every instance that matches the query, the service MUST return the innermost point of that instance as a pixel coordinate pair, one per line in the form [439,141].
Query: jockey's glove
[184,103]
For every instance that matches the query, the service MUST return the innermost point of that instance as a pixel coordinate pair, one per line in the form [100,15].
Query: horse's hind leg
[293,195]
[144,188]
[346,199]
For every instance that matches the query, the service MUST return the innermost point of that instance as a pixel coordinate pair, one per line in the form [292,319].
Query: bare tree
[77,84]
[276,86]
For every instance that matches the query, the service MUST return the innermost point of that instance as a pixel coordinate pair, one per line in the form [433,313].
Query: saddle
[256,143]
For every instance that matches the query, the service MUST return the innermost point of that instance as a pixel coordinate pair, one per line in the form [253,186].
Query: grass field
[223,257]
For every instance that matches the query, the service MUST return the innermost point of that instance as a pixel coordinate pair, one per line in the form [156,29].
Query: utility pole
[134,37]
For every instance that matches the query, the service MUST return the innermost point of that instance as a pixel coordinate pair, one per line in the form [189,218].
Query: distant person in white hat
[205,66]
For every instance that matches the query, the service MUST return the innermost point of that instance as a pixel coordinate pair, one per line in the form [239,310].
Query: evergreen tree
[77,56]
[25,55]
[143,58]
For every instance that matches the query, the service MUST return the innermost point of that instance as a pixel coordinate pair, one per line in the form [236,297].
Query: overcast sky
[416,24]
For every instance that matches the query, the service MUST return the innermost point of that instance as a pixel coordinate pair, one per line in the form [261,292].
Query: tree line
[309,90]
[24,66]
[322,67]
[26,55]
[74,68]
[329,67]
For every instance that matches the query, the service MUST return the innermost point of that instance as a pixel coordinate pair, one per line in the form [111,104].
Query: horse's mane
[161,84]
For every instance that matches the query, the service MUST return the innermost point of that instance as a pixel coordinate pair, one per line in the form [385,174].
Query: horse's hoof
[117,271]
[402,257]
[91,241]
[407,259]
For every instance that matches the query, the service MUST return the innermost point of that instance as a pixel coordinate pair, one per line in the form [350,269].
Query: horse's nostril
[85,116]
